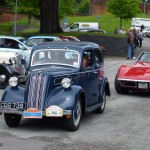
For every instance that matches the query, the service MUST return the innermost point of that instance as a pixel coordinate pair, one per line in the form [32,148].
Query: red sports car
[134,77]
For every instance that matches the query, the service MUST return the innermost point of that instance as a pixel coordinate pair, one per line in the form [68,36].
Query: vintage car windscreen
[55,56]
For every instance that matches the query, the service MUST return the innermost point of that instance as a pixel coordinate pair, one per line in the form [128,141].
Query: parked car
[16,44]
[145,31]
[76,26]
[58,85]
[92,30]
[68,38]
[42,39]
[11,65]
[134,77]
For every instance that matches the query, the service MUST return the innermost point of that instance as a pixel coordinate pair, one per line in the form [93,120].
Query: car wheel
[4,77]
[101,109]
[74,121]
[119,89]
[12,120]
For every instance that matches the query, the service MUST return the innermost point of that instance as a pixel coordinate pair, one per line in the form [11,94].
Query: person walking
[131,44]
[140,38]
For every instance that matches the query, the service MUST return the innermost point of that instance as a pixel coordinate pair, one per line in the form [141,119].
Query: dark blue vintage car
[65,79]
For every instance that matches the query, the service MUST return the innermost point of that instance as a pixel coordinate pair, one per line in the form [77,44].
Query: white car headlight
[66,83]
[13,81]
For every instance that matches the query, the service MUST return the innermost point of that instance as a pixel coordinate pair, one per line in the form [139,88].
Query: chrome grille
[36,89]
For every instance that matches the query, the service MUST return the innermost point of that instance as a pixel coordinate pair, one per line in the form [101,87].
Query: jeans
[140,42]
[130,53]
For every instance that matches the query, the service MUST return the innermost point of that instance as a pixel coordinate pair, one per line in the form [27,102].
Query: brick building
[7,15]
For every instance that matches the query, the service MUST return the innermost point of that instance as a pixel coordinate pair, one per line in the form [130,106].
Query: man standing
[140,37]
[131,43]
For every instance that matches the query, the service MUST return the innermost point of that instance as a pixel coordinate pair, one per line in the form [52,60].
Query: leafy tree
[124,9]
[66,8]
[7,3]
[78,1]
[49,11]
[30,8]
[84,7]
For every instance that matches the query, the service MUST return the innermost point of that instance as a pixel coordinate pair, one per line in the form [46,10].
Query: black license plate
[12,105]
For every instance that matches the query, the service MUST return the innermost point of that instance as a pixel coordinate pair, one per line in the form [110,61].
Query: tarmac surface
[125,124]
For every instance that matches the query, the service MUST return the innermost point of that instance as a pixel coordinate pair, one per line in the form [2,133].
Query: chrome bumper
[65,112]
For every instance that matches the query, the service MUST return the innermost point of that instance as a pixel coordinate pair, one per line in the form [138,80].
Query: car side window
[48,40]
[37,40]
[87,59]
[98,57]
[74,26]
[12,44]
[2,43]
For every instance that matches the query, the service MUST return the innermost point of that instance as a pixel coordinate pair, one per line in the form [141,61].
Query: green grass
[108,22]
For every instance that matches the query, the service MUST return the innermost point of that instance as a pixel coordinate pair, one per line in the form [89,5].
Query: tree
[124,9]
[7,3]
[84,7]
[49,16]
[30,8]
[50,13]
[66,8]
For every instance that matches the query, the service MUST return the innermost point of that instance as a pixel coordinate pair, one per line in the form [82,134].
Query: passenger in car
[84,62]
[12,44]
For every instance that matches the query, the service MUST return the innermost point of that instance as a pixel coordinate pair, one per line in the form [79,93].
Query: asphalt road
[125,124]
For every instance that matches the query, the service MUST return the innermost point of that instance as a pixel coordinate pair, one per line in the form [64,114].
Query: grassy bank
[108,22]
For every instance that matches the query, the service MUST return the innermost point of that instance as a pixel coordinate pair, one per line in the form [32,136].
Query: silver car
[16,44]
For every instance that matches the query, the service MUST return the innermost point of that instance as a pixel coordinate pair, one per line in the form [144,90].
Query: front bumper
[65,112]
[135,84]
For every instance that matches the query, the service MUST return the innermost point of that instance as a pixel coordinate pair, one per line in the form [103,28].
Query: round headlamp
[66,83]
[13,81]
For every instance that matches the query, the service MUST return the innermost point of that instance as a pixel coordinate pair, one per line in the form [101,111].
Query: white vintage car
[10,65]
[18,45]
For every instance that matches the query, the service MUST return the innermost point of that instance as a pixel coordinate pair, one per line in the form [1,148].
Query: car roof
[43,37]
[11,37]
[78,46]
